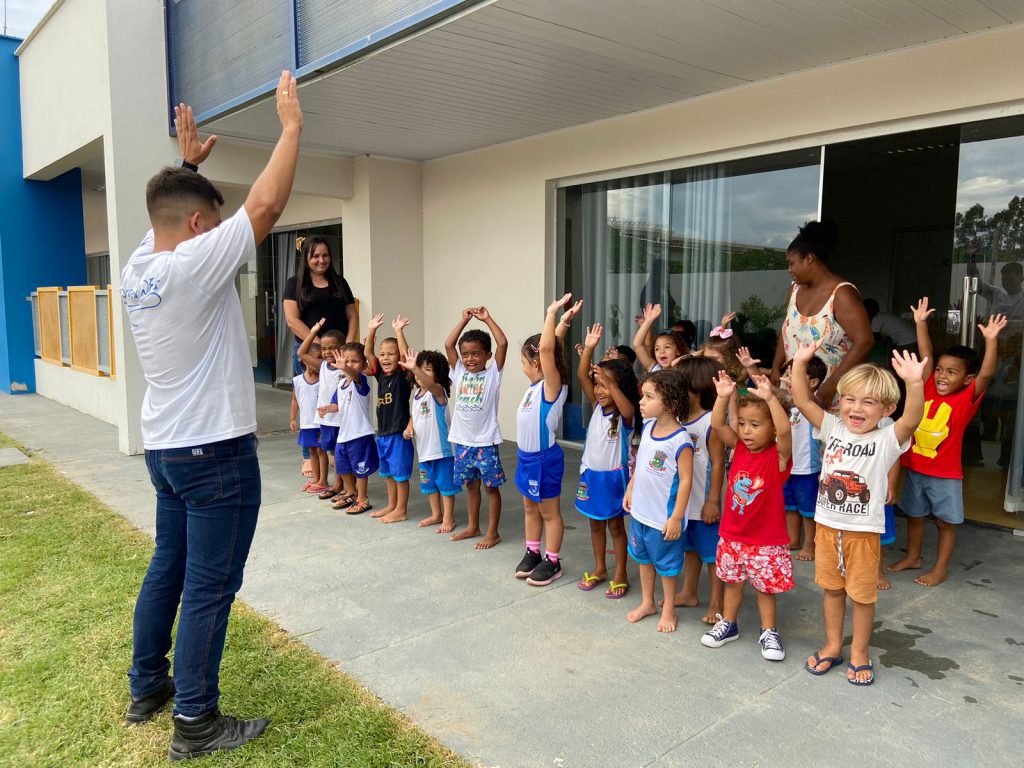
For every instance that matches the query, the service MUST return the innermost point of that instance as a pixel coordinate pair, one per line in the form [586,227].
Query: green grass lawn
[70,569]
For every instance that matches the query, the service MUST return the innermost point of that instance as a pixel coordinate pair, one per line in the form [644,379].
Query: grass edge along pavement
[70,570]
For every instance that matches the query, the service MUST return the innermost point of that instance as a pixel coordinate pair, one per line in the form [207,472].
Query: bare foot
[668,621]
[804,554]
[642,611]
[711,617]
[906,564]
[933,578]
[794,545]
[382,512]
[446,527]
[430,521]
[395,516]
[488,541]
[469,533]
[883,581]
[682,601]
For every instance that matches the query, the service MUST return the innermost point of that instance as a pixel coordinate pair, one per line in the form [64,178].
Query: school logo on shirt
[696,441]
[657,462]
[744,490]
[583,491]
[526,400]
[470,393]
[424,408]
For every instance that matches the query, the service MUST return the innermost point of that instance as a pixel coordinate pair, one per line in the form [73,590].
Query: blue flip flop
[833,661]
[855,670]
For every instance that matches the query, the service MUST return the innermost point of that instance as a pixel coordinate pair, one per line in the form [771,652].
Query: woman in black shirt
[318,291]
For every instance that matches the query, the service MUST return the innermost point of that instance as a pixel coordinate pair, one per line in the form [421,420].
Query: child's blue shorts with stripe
[702,538]
[647,546]
[395,454]
[539,474]
[438,476]
[801,494]
[356,457]
[309,438]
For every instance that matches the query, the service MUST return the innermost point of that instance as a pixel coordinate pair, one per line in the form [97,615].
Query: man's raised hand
[191,148]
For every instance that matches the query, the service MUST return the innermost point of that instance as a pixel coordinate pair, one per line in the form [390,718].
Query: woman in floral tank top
[822,307]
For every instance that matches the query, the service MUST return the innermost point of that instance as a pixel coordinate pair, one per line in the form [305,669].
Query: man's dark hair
[174,193]
[1013,266]
[968,355]
[480,337]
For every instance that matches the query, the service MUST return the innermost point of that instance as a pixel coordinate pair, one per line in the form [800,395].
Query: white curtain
[285,260]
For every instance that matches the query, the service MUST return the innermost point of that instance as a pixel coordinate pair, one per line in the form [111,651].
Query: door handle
[266,307]
[965,301]
[970,324]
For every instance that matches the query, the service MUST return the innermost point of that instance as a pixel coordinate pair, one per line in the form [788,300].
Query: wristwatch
[180,163]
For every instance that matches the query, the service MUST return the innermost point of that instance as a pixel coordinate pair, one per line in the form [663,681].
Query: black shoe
[141,710]
[530,561]
[210,733]
[545,573]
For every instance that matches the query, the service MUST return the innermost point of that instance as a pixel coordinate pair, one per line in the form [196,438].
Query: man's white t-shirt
[474,403]
[186,318]
[855,475]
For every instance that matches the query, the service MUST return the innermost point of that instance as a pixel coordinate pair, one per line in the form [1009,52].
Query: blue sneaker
[723,632]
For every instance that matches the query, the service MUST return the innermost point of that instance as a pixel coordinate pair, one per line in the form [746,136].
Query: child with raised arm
[394,388]
[355,455]
[305,389]
[658,492]
[330,344]
[933,484]
[611,389]
[849,517]
[429,426]
[474,433]
[668,345]
[754,543]
[540,461]
[704,510]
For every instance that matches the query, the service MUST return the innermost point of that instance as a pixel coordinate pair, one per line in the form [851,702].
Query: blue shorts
[599,494]
[924,495]
[356,457]
[648,547]
[889,537]
[328,437]
[539,475]
[702,538]
[478,462]
[437,476]
[801,494]
[395,456]
[309,438]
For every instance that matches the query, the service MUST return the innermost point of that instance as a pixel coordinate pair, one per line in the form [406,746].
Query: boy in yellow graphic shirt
[934,470]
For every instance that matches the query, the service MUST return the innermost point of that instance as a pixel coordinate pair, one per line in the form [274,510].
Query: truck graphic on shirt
[842,484]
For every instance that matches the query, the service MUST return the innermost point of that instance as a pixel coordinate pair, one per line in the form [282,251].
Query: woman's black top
[320,303]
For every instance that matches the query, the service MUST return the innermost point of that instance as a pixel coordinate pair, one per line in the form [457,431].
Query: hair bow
[722,333]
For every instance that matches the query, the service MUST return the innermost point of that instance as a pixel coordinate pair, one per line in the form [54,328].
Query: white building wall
[97,396]
[488,215]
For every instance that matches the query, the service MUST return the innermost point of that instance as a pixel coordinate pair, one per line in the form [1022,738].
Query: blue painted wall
[42,237]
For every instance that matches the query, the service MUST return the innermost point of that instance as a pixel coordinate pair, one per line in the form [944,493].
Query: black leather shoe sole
[141,710]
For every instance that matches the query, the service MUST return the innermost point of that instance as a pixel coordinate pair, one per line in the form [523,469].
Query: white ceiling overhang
[508,69]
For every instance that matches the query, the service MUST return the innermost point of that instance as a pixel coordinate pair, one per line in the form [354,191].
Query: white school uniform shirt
[430,423]
[700,436]
[656,477]
[607,445]
[852,463]
[186,319]
[306,395]
[329,380]
[806,449]
[354,408]
[475,406]
[537,419]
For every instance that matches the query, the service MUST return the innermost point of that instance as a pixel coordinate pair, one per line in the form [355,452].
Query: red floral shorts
[768,567]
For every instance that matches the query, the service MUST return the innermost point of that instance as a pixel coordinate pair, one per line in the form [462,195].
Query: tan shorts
[861,553]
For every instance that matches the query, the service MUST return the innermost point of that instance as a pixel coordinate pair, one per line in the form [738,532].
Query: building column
[382,242]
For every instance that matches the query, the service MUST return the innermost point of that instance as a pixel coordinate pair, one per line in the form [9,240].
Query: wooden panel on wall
[85,354]
[49,324]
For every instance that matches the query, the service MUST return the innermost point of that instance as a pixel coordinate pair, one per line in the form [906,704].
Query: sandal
[613,585]
[314,488]
[588,582]
[855,669]
[832,662]
[342,501]
[358,509]
[328,495]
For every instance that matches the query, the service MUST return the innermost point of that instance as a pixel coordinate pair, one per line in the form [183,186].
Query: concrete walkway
[509,675]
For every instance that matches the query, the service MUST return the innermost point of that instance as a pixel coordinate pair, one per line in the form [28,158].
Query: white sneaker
[771,645]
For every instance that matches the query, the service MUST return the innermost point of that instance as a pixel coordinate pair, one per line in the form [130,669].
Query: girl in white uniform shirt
[541,462]
[611,388]
[428,423]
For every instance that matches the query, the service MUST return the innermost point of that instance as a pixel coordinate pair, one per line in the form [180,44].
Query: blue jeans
[207,503]
[296,370]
